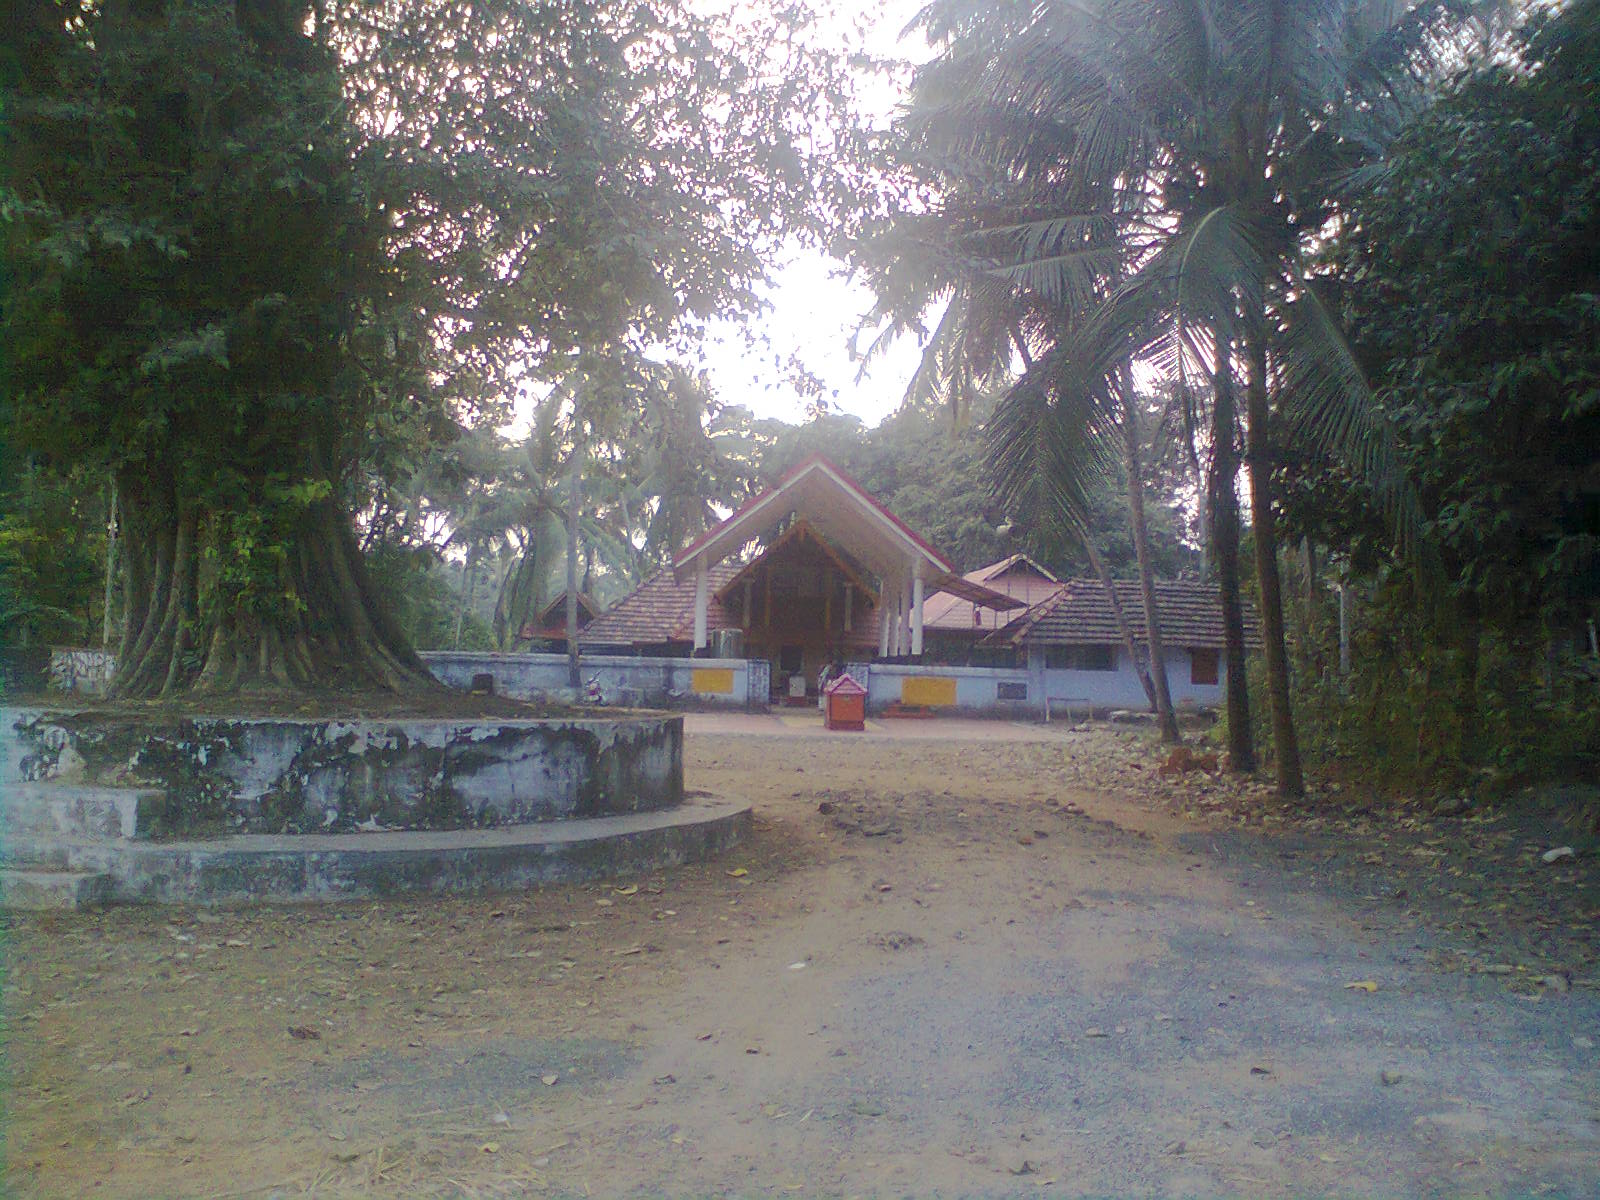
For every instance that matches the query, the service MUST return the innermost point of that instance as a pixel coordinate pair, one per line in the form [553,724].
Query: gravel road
[961,964]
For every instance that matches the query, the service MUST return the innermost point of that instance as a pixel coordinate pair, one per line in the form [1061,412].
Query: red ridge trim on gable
[811,462]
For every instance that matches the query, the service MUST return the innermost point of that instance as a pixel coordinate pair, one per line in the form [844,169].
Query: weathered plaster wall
[80,670]
[627,680]
[1023,691]
[288,776]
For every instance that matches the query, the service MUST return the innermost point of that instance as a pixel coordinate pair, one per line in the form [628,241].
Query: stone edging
[319,868]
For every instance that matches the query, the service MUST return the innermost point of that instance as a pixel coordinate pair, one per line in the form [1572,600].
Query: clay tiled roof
[661,610]
[1080,614]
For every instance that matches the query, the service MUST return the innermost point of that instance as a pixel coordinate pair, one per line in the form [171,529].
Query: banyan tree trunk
[322,627]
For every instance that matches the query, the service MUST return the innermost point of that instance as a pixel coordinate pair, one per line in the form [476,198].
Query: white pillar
[905,616]
[702,600]
[883,623]
[916,615]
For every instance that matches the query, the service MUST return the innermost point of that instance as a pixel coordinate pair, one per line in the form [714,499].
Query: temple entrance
[802,605]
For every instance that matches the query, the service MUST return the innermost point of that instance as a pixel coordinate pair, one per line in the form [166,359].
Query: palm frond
[1050,447]
[1327,401]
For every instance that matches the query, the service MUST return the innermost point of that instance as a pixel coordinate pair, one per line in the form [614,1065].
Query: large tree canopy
[262,252]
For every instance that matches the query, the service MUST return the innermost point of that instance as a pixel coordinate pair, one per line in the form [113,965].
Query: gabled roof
[1017,565]
[841,512]
[661,610]
[1025,581]
[588,609]
[1080,614]
[551,620]
[838,507]
[799,532]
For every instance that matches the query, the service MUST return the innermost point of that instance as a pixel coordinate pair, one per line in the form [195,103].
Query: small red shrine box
[845,704]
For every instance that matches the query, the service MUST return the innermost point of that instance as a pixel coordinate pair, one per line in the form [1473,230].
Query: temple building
[812,572]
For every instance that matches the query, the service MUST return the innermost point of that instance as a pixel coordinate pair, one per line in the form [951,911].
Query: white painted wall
[623,679]
[1120,688]
[977,688]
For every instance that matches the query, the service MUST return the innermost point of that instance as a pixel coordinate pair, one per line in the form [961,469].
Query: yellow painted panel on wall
[716,680]
[927,691]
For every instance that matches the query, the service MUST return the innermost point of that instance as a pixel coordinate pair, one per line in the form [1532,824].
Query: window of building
[1203,666]
[1081,658]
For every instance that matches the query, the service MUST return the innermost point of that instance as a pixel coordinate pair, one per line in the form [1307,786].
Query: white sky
[814,310]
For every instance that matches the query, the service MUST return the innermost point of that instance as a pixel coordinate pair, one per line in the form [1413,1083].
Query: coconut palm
[529,508]
[691,458]
[985,329]
[1163,164]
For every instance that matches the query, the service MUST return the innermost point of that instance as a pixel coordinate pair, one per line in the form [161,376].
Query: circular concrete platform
[208,776]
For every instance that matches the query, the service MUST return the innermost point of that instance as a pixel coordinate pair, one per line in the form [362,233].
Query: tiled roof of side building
[659,610]
[1080,614]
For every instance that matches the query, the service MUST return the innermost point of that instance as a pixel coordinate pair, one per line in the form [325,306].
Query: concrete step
[32,851]
[77,810]
[26,890]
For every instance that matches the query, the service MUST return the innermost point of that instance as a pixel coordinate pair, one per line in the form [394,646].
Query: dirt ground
[953,959]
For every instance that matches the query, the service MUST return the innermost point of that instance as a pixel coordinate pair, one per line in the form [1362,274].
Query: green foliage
[1471,279]
[204,307]
[52,559]
[1424,710]
[262,256]
[425,601]
[1469,274]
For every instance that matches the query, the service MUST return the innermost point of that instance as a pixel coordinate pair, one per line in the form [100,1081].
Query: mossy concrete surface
[215,775]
